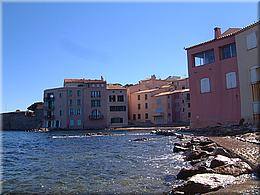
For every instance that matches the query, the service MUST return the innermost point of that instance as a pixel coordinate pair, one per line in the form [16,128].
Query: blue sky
[43,43]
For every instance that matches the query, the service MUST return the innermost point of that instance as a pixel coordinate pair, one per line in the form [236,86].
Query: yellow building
[247,45]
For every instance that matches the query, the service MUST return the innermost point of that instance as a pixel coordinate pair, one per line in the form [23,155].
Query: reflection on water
[74,162]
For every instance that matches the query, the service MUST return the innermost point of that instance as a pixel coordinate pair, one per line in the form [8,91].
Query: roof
[172,92]
[83,81]
[146,91]
[228,33]
[165,86]
[36,105]
[164,93]
[115,87]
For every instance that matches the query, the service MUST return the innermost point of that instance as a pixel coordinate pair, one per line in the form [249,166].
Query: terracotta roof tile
[232,32]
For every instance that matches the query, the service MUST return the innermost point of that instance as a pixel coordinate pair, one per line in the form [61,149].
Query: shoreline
[229,156]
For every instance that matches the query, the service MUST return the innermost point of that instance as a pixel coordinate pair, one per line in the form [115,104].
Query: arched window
[95,114]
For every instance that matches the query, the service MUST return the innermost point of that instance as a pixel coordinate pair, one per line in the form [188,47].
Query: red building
[214,83]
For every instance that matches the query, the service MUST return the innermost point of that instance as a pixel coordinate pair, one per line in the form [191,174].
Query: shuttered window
[256,107]
[251,40]
[204,85]
[231,81]
[255,74]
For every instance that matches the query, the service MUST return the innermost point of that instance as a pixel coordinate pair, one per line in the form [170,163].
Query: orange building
[152,101]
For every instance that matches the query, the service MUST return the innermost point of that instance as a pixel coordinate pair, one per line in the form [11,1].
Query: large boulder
[219,160]
[179,149]
[195,154]
[203,183]
[188,172]
[221,151]
[234,168]
[209,148]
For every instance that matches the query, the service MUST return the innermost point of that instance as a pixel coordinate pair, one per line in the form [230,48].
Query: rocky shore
[213,167]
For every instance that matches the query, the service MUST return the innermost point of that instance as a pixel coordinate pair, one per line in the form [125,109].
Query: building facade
[152,101]
[117,106]
[214,83]
[79,104]
[247,42]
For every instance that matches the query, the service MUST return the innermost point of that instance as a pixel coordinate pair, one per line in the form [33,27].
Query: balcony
[96,117]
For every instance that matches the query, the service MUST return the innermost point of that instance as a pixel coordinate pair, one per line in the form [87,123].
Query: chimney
[217,31]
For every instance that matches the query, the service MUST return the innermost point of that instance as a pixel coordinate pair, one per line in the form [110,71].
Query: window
[134,116]
[60,112]
[71,111]
[188,105]
[70,102]
[256,107]
[78,102]
[69,92]
[78,92]
[117,108]
[231,81]
[145,96]
[116,120]
[112,98]
[139,106]
[228,51]
[188,96]
[60,95]
[251,40]
[79,122]
[78,111]
[146,115]
[95,103]
[183,87]
[120,98]
[71,122]
[205,57]
[96,114]
[204,85]
[182,109]
[189,115]
[139,116]
[146,105]
[255,74]
[138,97]
[95,94]
[183,101]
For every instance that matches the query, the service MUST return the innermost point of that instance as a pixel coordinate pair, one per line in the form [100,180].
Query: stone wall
[22,120]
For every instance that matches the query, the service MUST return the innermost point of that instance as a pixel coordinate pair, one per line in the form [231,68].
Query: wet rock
[234,168]
[209,148]
[140,139]
[221,151]
[179,149]
[188,172]
[195,154]
[205,142]
[164,132]
[219,160]
[203,183]
[198,161]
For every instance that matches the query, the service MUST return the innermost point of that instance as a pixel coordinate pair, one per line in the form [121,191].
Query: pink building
[85,104]
[214,83]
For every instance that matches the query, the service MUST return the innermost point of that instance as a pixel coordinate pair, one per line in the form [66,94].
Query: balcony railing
[96,117]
